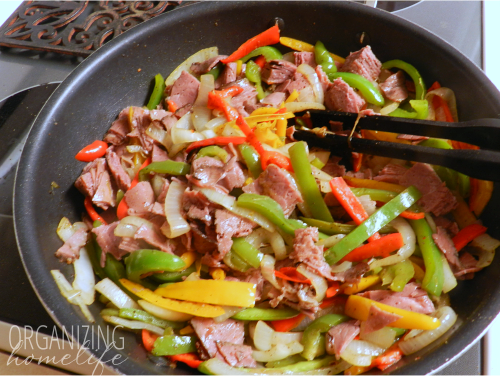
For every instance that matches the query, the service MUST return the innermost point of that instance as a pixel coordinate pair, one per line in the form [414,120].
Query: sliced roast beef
[140,123]
[236,355]
[140,199]
[210,332]
[304,58]
[365,174]
[436,197]
[227,226]
[447,247]
[155,239]
[159,114]
[333,168]
[339,96]
[129,244]
[306,251]
[207,170]
[108,241]
[253,276]
[227,76]
[391,173]
[298,296]
[274,99]
[277,71]
[204,241]
[412,298]
[352,275]
[95,183]
[298,82]
[415,140]
[245,102]
[206,66]
[234,177]
[339,337]
[70,251]
[323,78]
[197,206]
[364,63]
[450,226]
[394,87]
[185,90]
[159,154]
[469,266]
[121,177]
[117,134]
[378,319]
[275,183]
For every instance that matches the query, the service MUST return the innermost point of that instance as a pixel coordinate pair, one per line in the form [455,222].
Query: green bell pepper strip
[215,71]
[453,179]
[94,258]
[332,228]
[173,168]
[374,223]
[367,89]
[270,53]
[146,261]
[143,316]
[307,183]
[434,274]
[420,89]
[255,313]
[292,359]
[324,59]
[247,252]
[251,158]
[174,276]
[110,312]
[420,110]
[157,94]
[269,208]
[119,195]
[252,73]
[311,340]
[174,345]
[375,194]
[402,273]
[235,262]
[399,331]
[317,163]
[213,151]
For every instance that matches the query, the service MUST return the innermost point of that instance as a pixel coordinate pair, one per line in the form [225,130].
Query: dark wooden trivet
[75,27]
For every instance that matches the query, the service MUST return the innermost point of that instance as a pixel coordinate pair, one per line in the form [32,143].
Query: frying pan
[120,74]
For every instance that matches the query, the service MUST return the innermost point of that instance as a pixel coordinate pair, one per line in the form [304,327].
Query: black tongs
[481,164]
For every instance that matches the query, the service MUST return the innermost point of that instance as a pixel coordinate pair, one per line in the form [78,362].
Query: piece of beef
[364,63]
[436,197]
[140,199]
[365,174]
[352,275]
[204,241]
[378,319]
[274,183]
[70,251]
[155,239]
[469,264]
[184,90]
[333,168]
[391,173]
[412,298]
[277,71]
[323,78]
[210,171]
[246,101]
[253,276]
[227,76]
[394,87]
[141,120]
[159,155]
[227,226]
[339,337]
[117,134]
[206,66]
[339,96]
[236,355]
[447,247]
[306,251]
[274,99]
[298,296]
[108,241]
[129,244]
[95,183]
[297,82]
[121,177]
[210,332]
[234,177]
[197,206]
[304,58]
[415,140]
[450,226]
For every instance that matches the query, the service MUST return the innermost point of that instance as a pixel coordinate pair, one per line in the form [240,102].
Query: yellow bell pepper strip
[301,46]
[420,90]
[247,252]
[193,308]
[174,168]
[363,284]
[373,224]
[434,274]
[480,195]
[146,261]
[175,276]
[265,314]
[381,247]
[365,87]
[467,234]
[313,333]
[270,53]
[324,59]
[419,274]
[157,94]
[224,293]
[373,184]
[251,158]
[307,183]
[358,307]
[270,36]
[217,273]
[173,345]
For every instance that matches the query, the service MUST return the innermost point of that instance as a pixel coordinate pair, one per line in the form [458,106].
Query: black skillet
[120,74]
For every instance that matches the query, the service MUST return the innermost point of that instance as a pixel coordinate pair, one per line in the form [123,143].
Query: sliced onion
[360,352]
[207,84]
[262,336]
[65,229]
[486,246]
[164,313]
[267,269]
[278,352]
[177,225]
[129,225]
[330,241]
[214,123]
[312,77]
[133,324]
[229,311]
[84,277]
[207,133]
[409,240]
[344,266]
[229,202]
[294,107]
[306,95]
[201,115]
[319,283]
[286,337]
[71,295]
[134,148]
[157,184]
[321,175]
[198,57]
[446,94]
[384,337]
[182,136]
[367,203]
[431,222]
[390,106]
[231,130]
[185,122]
[446,316]
[450,282]
[278,245]
[156,134]
[111,291]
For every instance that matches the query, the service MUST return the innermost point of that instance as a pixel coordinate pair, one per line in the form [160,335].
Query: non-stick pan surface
[120,74]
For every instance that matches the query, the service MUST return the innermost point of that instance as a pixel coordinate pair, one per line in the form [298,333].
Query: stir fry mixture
[231,247]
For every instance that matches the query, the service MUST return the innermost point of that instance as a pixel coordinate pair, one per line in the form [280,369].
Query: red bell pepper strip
[467,234]
[172,106]
[338,300]
[285,325]
[412,215]
[91,152]
[260,61]
[333,289]
[191,359]
[434,86]
[380,248]
[268,37]
[392,355]
[122,209]
[350,203]
[291,274]
[271,157]
[217,100]
[216,141]
[438,102]
[94,216]
[148,340]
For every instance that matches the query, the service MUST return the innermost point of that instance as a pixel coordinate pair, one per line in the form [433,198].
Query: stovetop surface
[24,69]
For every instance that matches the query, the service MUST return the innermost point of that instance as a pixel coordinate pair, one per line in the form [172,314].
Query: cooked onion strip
[198,57]
[360,353]
[164,313]
[177,225]
[295,107]
[319,283]
[111,291]
[312,77]
[267,269]
[133,324]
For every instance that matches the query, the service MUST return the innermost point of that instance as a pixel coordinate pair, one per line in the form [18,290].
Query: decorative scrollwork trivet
[75,27]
